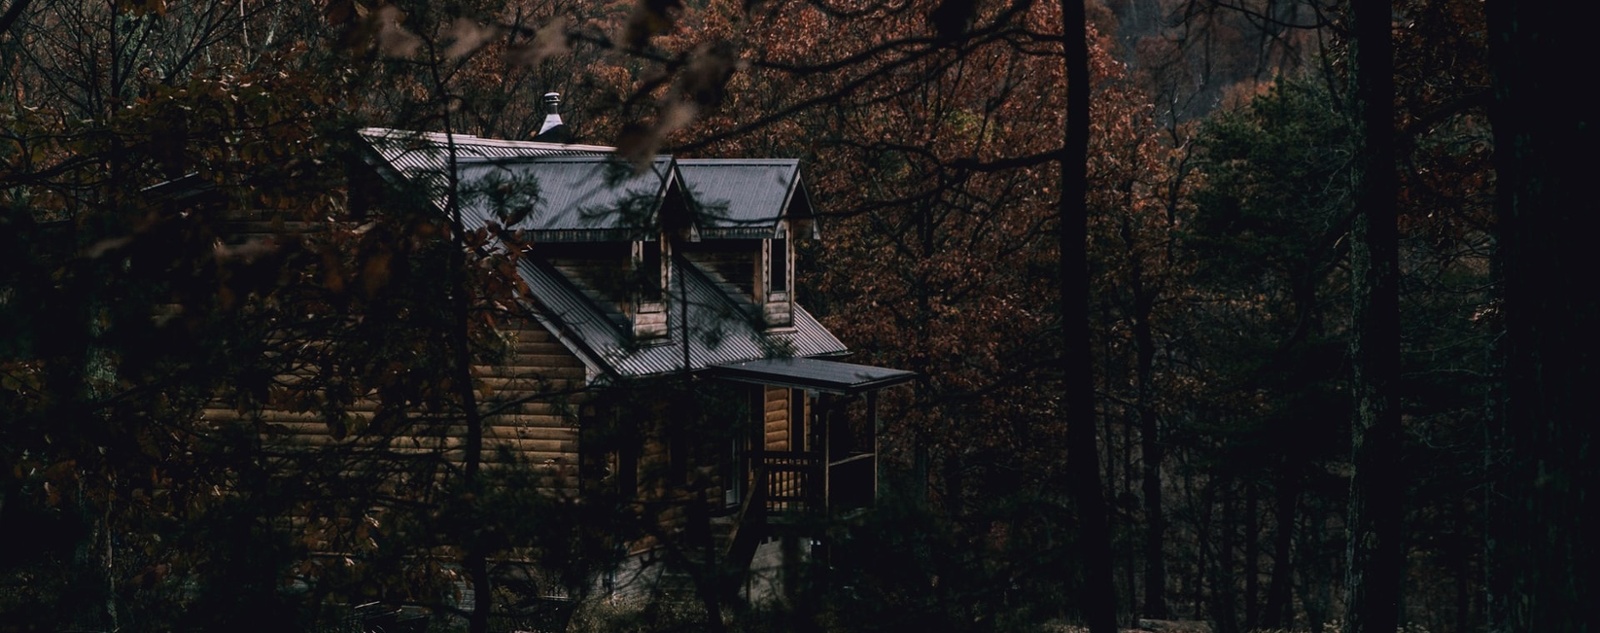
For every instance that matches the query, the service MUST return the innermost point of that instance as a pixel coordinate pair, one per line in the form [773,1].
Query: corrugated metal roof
[734,198]
[579,192]
[718,331]
[741,197]
[413,153]
[813,373]
[567,197]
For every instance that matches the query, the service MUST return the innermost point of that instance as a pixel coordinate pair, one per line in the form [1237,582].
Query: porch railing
[796,482]
[792,480]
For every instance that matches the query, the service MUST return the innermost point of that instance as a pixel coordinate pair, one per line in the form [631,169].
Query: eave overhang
[816,374]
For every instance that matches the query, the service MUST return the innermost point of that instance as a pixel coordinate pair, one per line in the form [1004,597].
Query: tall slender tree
[1542,546]
[1377,488]
[1077,362]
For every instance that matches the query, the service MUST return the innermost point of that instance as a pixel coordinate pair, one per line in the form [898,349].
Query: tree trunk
[1224,587]
[1077,364]
[1377,488]
[1125,521]
[1319,565]
[1542,553]
[1150,454]
[1200,573]
[1252,555]
[475,559]
[1155,528]
[1276,612]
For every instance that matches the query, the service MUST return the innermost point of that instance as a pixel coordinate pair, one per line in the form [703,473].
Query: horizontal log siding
[529,401]
[775,426]
[778,435]
[736,267]
[606,277]
[530,405]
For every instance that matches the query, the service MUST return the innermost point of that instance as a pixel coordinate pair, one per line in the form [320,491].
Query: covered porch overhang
[840,471]
[815,374]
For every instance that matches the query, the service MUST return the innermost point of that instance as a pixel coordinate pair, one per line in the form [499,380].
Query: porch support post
[824,417]
[874,424]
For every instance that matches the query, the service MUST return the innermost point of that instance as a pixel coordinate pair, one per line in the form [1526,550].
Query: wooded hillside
[1267,314]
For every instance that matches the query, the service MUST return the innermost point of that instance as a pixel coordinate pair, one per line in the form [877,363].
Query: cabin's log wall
[778,311]
[775,420]
[737,265]
[528,404]
[531,400]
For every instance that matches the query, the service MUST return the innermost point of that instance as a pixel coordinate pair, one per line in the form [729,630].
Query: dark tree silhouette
[1378,485]
[1542,545]
[1077,360]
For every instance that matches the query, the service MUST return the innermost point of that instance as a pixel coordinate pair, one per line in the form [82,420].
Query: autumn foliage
[184,222]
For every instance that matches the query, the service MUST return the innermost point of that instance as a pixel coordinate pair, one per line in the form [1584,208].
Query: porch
[830,465]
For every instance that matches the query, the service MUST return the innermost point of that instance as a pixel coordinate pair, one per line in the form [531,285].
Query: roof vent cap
[553,130]
[552,118]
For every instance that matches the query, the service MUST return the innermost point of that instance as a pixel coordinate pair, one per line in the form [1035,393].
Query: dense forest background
[1329,286]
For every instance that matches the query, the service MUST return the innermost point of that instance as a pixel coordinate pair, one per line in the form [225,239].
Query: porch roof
[813,373]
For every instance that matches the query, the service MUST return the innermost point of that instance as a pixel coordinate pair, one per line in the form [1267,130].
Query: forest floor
[1145,626]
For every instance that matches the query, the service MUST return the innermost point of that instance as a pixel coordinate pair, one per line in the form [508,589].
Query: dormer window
[650,281]
[776,296]
[649,270]
[780,266]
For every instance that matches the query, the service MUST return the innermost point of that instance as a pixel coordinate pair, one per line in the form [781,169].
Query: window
[608,459]
[777,308]
[647,266]
[780,266]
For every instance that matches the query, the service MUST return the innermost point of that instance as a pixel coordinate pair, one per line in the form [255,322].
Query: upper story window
[650,275]
[649,268]
[778,268]
[777,307]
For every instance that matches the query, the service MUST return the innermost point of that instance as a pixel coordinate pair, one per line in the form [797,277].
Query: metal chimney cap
[553,129]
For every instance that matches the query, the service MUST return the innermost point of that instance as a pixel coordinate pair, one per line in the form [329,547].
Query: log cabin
[682,269]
